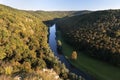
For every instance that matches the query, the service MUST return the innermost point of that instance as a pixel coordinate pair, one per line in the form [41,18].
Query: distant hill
[50,15]
[76,13]
[97,33]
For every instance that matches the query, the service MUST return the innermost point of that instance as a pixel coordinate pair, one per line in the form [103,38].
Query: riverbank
[73,71]
[98,69]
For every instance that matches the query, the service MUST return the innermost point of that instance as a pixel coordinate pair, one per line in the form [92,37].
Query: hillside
[24,48]
[50,15]
[96,33]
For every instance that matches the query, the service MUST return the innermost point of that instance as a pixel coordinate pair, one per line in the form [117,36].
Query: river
[53,46]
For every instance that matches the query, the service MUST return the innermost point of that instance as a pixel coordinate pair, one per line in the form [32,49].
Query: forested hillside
[24,48]
[50,15]
[96,33]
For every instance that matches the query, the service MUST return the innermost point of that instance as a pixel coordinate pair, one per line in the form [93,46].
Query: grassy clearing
[100,70]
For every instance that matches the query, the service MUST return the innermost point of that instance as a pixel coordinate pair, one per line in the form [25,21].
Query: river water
[53,46]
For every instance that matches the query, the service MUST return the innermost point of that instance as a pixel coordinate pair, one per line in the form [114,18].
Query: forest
[97,34]
[24,49]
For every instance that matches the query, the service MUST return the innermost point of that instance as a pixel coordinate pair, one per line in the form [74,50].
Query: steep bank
[54,36]
[23,46]
[97,33]
[92,33]
[97,69]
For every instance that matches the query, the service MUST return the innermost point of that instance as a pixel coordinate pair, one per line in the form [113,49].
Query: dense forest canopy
[23,43]
[51,15]
[22,40]
[96,33]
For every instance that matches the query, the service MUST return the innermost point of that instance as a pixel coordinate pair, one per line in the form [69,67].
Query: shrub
[8,70]
[74,55]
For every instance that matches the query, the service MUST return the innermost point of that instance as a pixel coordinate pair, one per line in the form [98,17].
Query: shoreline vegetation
[98,69]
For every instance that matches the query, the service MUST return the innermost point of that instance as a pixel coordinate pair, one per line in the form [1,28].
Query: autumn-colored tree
[74,55]
[59,45]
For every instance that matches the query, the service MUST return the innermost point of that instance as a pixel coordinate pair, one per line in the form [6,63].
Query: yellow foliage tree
[74,55]
[8,70]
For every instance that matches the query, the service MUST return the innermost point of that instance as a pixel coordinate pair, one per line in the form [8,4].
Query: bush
[74,55]
[8,70]
[59,46]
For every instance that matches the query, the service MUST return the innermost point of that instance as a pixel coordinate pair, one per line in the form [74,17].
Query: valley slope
[97,33]
[24,50]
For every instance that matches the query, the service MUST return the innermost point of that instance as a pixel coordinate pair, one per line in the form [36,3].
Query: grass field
[100,70]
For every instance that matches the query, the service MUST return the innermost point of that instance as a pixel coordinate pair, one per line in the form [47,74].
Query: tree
[59,45]
[8,70]
[27,66]
[74,55]
[2,53]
